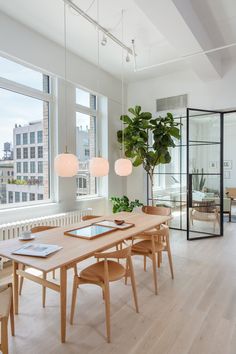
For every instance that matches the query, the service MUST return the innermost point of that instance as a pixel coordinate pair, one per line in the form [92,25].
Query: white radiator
[13,230]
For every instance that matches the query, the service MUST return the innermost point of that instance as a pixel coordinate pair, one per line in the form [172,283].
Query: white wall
[219,94]
[26,46]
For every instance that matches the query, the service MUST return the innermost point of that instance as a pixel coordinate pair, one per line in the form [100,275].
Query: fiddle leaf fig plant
[124,204]
[147,140]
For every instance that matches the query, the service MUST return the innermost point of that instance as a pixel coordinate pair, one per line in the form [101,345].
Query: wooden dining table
[74,250]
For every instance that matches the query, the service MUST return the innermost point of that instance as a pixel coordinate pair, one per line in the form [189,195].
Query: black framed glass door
[204,173]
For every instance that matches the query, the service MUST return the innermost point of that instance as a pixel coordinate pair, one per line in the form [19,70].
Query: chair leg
[133,284]
[159,259]
[75,270]
[154,266]
[145,263]
[4,335]
[127,269]
[44,290]
[170,261]
[12,320]
[54,274]
[73,301]
[117,249]
[107,306]
[21,279]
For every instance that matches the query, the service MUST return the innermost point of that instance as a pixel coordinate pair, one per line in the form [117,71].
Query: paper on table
[37,250]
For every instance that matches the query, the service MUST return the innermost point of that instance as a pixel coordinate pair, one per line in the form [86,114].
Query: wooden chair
[89,217]
[212,217]
[33,231]
[157,210]
[101,274]
[6,309]
[153,243]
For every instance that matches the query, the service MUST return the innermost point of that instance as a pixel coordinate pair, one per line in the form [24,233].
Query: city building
[29,179]
[85,149]
[6,175]
[8,152]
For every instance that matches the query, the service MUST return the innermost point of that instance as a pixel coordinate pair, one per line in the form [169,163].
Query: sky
[20,109]
[16,108]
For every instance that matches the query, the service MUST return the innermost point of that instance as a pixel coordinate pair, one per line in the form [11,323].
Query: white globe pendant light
[98,167]
[123,166]
[66,164]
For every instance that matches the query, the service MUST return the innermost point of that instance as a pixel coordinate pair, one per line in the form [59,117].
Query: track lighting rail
[98,26]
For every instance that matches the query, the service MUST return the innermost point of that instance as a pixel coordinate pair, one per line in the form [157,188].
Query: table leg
[63,293]
[15,286]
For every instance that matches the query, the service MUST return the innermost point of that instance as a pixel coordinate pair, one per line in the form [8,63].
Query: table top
[77,249]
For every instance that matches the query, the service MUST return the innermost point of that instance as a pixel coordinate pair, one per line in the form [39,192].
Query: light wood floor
[194,314]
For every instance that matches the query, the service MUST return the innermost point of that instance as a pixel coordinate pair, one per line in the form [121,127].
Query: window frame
[92,112]
[50,99]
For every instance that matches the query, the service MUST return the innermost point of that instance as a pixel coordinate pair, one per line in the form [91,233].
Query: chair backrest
[231,192]
[88,217]
[161,234]
[156,210]
[124,253]
[41,228]
[5,300]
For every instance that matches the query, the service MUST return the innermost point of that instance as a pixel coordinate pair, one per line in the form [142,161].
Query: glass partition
[170,181]
[205,168]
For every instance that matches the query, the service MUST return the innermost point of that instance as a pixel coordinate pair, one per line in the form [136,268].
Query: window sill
[91,197]
[26,207]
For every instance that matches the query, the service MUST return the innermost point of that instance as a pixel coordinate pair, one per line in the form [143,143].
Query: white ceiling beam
[181,27]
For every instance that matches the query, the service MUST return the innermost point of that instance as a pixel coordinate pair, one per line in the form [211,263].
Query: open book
[37,250]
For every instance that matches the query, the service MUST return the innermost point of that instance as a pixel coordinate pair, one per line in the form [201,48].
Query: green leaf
[175,132]
[138,161]
[126,119]
[137,110]
[146,115]
[131,110]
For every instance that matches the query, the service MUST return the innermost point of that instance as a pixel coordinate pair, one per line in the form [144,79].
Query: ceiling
[163,30]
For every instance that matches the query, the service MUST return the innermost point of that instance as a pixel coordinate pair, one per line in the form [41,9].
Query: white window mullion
[24,90]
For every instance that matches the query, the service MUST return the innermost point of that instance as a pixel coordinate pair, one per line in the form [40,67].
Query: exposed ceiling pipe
[98,26]
[183,57]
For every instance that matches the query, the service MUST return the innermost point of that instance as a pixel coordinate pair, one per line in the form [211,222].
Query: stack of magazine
[37,250]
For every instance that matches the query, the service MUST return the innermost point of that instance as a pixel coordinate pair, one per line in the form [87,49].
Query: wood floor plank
[193,314]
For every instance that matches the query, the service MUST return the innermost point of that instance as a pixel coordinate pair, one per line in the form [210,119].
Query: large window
[20,74]
[24,118]
[85,140]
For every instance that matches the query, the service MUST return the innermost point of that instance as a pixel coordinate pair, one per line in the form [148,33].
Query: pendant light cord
[122,85]
[65,72]
[98,65]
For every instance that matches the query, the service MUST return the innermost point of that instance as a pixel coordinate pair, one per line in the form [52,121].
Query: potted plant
[124,204]
[147,140]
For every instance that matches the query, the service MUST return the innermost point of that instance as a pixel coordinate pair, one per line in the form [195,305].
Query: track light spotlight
[127,59]
[104,40]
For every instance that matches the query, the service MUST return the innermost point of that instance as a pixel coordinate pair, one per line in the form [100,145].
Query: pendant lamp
[123,166]
[66,164]
[98,166]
